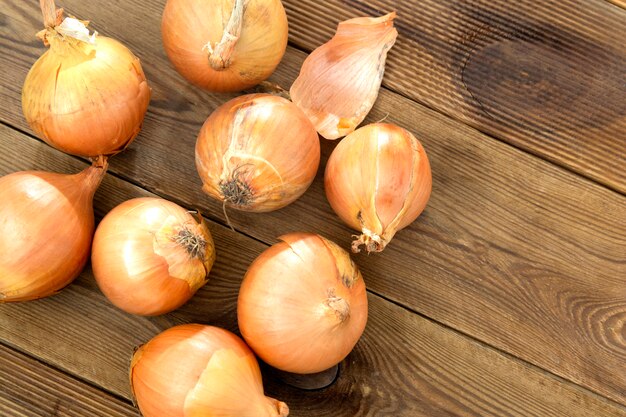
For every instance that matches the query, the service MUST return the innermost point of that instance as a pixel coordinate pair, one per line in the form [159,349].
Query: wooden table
[507,297]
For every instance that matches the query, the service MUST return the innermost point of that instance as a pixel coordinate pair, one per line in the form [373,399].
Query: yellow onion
[46,227]
[257,152]
[86,95]
[339,82]
[378,181]
[193,370]
[302,304]
[224,45]
[150,255]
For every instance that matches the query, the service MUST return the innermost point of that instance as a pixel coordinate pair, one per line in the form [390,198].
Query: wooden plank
[31,389]
[510,250]
[404,365]
[547,77]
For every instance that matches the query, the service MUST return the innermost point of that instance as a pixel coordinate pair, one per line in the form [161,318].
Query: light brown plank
[404,365]
[31,389]
[547,77]
[510,250]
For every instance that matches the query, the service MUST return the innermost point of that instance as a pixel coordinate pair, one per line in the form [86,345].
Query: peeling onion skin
[302,305]
[378,181]
[46,227]
[194,370]
[150,256]
[83,99]
[339,81]
[189,25]
[257,152]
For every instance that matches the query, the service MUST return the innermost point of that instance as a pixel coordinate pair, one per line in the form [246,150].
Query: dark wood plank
[29,388]
[547,77]
[511,250]
[404,365]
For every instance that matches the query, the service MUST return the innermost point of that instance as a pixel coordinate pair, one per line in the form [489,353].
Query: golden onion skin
[189,25]
[257,153]
[339,81]
[378,181]
[83,99]
[150,255]
[193,370]
[302,304]
[46,228]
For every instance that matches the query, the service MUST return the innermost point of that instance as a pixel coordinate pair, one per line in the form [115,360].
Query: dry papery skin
[224,45]
[46,227]
[150,255]
[86,95]
[302,304]
[339,82]
[257,153]
[194,370]
[378,181]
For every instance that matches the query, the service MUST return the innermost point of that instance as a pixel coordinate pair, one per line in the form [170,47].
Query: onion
[339,82]
[197,371]
[257,153]
[150,256]
[85,95]
[46,227]
[302,304]
[224,45]
[378,181]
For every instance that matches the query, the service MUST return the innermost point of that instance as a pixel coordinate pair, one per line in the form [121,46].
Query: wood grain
[29,388]
[404,365]
[511,250]
[547,77]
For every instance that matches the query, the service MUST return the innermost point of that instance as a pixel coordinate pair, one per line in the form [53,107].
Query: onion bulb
[224,45]
[86,95]
[150,256]
[46,227]
[257,152]
[339,82]
[302,304]
[378,181]
[193,370]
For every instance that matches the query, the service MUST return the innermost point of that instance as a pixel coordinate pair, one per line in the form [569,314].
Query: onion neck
[220,56]
[91,177]
[275,408]
[51,17]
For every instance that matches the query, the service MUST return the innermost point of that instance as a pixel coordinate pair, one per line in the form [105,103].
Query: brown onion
[224,45]
[378,181]
[46,227]
[257,152]
[150,255]
[86,95]
[302,304]
[198,371]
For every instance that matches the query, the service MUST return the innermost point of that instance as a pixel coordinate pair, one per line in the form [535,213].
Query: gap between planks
[218,221]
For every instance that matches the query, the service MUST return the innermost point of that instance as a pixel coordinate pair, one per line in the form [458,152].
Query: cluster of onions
[195,371]
[150,255]
[257,152]
[84,96]
[339,82]
[302,304]
[46,227]
[378,181]
[224,45]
